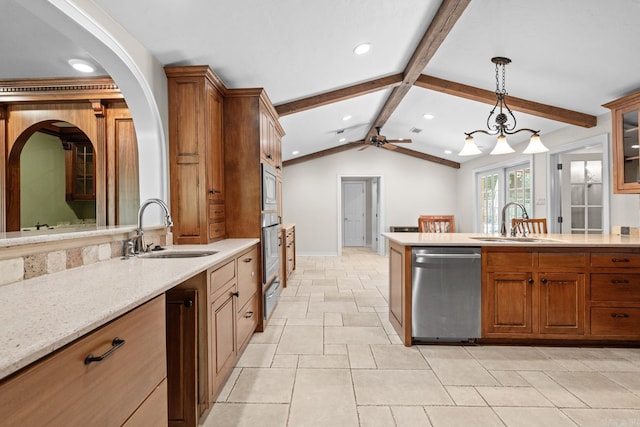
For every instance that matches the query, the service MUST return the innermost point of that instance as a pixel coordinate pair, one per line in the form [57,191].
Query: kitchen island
[555,288]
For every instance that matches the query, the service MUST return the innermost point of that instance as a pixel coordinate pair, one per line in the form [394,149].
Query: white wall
[410,187]
[624,207]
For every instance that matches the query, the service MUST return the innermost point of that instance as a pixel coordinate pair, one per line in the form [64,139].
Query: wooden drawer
[562,260]
[509,259]
[153,412]
[216,212]
[615,260]
[615,287]
[216,230]
[615,321]
[247,276]
[64,390]
[220,276]
[247,320]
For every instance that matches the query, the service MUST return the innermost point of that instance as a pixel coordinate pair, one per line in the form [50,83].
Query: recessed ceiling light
[295,153]
[82,65]
[448,151]
[347,117]
[342,139]
[362,48]
[428,116]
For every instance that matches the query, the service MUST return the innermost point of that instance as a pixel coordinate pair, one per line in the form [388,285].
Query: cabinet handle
[214,191]
[620,260]
[619,281]
[619,315]
[248,315]
[236,294]
[278,167]
[531,281]
[218,230]
[247,260]
[544,281]
[269,156]
[187,302]
[217,212]
[115,344]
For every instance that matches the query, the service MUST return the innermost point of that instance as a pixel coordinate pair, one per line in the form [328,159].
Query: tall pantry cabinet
[196,153]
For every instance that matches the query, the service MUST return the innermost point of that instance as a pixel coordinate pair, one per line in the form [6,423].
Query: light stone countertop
[546,240]
[42,314]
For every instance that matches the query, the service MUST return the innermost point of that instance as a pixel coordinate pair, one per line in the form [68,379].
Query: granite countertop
[43,314]
[546,240]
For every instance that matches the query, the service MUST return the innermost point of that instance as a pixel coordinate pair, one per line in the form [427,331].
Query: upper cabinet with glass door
[626,143]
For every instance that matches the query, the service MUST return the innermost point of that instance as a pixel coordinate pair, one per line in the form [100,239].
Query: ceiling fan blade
[389,147]
[364,148]
[396,141]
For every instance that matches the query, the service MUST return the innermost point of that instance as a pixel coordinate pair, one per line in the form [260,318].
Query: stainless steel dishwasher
[445,293]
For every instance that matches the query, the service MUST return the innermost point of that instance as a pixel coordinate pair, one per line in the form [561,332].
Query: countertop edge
[20,352]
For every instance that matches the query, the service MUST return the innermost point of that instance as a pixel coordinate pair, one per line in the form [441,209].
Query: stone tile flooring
[330,358]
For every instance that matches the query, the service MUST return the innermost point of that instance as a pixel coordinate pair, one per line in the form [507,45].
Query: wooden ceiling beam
[518,104]
[322,153]
[428,157]
[339,95]
[442,23]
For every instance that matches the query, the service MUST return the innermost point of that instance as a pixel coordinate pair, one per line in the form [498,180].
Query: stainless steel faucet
[503,225]
[139,240]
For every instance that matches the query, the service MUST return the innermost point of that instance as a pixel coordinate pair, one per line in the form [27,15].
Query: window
[586,197]
[499,186]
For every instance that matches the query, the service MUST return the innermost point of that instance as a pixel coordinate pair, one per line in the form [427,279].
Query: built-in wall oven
[269,189]
[270,261]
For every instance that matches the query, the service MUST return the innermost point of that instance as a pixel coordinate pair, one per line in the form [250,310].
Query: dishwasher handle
[420,257]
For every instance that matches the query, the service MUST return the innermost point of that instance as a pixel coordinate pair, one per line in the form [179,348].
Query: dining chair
[436,224]
[530,225]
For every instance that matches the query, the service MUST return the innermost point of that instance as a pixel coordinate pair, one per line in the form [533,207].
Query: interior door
[582,193]
[354,200]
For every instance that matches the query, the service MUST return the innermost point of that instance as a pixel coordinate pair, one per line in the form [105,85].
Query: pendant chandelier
[502,127]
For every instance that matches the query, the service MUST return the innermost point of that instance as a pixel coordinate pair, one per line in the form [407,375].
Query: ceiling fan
[382,141]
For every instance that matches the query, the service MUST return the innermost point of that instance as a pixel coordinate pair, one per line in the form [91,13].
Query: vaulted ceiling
[427,57]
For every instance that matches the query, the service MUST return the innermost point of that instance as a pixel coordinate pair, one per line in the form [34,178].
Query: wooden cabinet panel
[182,357]
[215,146]
[510,302]
[153,412]
[562,260]
[247,320]
[222,339]
[221,276]
[509,259]
[625,112]
[562,303]
[615,260]
[615,287]
[400,291]
[63,389]
[615,321]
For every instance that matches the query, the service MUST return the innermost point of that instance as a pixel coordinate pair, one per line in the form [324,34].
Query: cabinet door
[509,302]
[399,275]
[561,303]
[247,276]
[215,143]
[222,340]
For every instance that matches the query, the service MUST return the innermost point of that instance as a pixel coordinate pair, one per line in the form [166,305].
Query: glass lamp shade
[502,146]
[470,148]
[535,145]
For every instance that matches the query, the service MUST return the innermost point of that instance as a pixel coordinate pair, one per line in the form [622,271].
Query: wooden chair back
[436,224]
[530,226]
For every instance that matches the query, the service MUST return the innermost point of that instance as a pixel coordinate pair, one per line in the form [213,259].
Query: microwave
[269,189]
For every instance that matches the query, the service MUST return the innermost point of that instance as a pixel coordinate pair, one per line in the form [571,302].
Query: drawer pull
[235,294]
[619,282]
[248,315]
[247,260]
[619,315]
[544,281]
[531,281]
[115,344]
[620,260]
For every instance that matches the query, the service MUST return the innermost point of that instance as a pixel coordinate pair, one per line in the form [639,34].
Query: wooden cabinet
[288,252]
[126,386]
[80,168]
[227,309]
[270,137]
[615,295]
[400,290]
[196,152]
[531,293]
[626,143]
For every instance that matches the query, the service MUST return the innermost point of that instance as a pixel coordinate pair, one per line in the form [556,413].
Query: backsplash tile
[74,257]
[56,261]
[90,254]
[35,265]
[11,270]
[104,251]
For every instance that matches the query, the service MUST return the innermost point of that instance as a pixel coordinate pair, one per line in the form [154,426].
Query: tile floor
[330,358]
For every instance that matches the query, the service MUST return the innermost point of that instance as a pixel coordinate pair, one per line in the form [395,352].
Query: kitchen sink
[177,254]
